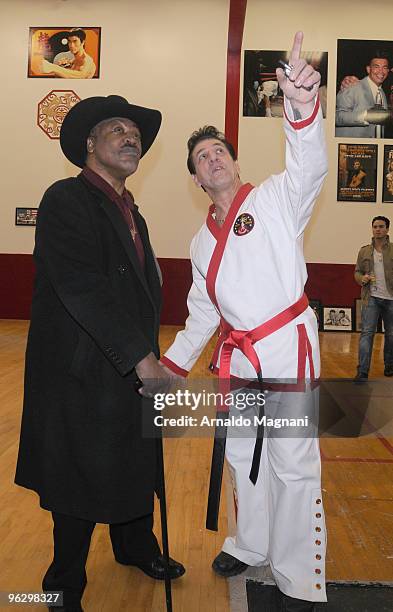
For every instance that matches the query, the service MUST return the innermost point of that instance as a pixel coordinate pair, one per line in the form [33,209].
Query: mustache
[131,146]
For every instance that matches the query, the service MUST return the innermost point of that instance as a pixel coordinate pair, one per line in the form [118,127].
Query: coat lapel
[115,217]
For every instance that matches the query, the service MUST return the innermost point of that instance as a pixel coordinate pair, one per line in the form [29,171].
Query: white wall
[171,55]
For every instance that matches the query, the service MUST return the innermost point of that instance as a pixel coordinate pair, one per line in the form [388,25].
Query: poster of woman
[66,53]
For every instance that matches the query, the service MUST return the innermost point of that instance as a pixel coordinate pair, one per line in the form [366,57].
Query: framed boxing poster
[357,173]
[262,96]
[64,52]
[387,191]
[337,318]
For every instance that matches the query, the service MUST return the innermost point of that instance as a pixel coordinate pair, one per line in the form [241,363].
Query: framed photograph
[316,306]
[357,173]
[337,318]
[358,63]
[387,182]
[25,216]
[64,52]
[262,96]
[358,315]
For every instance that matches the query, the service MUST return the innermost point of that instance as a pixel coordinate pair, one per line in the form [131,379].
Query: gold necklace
[133,229]
[219,221]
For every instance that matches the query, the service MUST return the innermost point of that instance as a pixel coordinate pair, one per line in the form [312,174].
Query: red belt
[230,338]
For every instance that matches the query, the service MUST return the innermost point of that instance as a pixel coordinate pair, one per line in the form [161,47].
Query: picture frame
[358,315]
[353,57]
[61,51]
[26,217]
[262,95]
[357,172]
[337,318]
[316,306]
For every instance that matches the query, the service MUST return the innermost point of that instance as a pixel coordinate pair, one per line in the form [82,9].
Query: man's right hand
[348,81]
[152,375]
[365,279]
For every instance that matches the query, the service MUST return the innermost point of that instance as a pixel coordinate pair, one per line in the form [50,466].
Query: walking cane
[164,524]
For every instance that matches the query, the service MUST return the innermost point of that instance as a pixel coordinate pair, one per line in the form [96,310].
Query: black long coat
[95,315]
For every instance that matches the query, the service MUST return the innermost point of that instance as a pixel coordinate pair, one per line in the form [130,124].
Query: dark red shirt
[125,204]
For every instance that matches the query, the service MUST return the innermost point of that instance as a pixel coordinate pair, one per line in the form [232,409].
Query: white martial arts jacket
[253,268]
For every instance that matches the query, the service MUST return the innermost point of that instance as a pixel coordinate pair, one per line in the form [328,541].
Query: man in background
[361,106]
[374,273]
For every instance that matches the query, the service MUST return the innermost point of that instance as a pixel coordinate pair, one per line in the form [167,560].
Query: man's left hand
[302,75]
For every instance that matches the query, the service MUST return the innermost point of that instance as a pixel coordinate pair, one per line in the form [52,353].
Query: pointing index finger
[297,47]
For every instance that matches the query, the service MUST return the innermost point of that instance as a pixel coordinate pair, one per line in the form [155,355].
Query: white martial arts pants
[280,520]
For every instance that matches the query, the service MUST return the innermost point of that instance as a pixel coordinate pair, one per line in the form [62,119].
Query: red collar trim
[221,238]
[238,200]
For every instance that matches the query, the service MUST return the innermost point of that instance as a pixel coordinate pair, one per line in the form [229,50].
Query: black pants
[132,542]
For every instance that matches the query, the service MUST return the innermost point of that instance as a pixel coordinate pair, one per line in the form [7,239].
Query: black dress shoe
[292,604]
[388,370]
[156,568]
[225,565]
[361,377]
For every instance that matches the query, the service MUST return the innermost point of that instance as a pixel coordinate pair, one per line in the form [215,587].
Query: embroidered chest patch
[243,224]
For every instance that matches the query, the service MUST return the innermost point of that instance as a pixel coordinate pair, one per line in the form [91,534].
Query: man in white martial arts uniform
[249,274]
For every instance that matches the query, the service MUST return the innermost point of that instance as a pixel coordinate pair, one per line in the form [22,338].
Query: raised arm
[301,86]
[289,197]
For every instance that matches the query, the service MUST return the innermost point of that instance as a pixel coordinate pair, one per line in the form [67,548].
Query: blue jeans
[370,316]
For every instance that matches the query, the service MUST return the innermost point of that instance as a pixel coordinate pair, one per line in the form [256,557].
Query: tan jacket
[365,265]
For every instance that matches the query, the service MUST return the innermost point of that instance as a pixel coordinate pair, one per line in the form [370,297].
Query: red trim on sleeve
[222,240]
[299,125]
[173,367]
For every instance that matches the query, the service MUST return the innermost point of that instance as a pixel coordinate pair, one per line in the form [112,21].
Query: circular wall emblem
[53,108]
[243,224]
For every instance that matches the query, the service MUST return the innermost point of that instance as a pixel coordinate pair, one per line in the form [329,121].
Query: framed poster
[316,306]
[357,173]
[337,318]
[358,63]
[26,216]
[387,191]
[64,52]
[262,96]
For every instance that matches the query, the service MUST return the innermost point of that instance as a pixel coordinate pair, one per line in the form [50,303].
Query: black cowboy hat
[82,117]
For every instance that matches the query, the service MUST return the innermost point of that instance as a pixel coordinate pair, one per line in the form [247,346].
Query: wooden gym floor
[358,497]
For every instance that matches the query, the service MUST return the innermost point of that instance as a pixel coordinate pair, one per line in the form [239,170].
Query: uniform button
[317,571]
[318,542]
[318,557]
[317,529]
[318,586]
[319,501]
[318,515]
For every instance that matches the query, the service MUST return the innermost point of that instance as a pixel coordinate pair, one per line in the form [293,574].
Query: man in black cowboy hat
[93,336]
